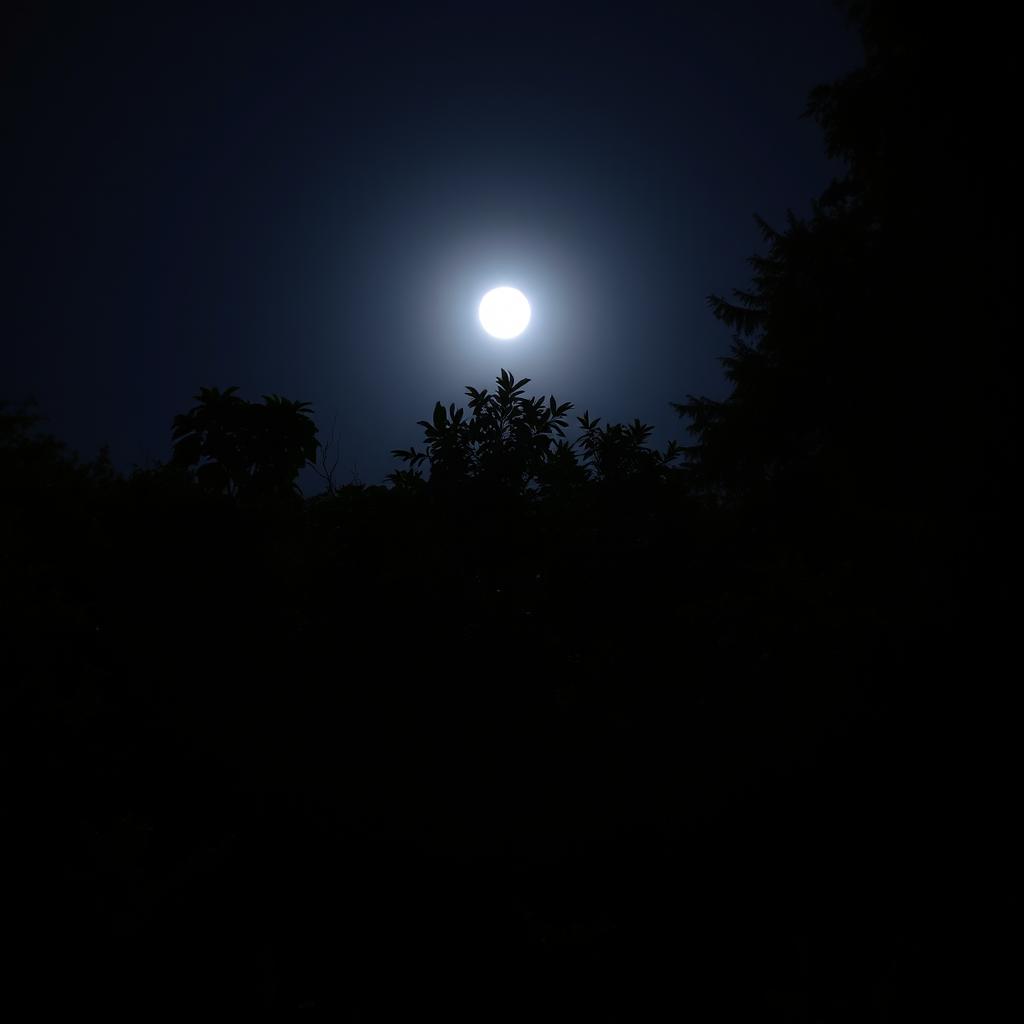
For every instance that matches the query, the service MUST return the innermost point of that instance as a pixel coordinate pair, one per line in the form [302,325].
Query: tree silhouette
[245,449]
[863,364]
[618,452]
[799,365]
[518,443]
[34,462]
[504,442]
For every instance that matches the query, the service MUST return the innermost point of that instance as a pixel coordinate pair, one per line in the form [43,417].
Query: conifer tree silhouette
[871,321]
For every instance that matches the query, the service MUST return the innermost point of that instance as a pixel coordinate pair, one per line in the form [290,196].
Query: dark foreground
[390,756]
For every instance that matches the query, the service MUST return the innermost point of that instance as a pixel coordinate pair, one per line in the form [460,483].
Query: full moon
[504,312]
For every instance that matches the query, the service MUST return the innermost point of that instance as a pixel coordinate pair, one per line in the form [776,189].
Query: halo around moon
[504,312]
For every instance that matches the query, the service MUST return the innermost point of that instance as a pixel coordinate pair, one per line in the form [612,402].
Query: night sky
[311,199]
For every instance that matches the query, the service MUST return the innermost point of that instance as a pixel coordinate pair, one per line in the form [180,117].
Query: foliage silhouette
[518,444]
[867,324]
[31,458]
[247,450]
[798,364]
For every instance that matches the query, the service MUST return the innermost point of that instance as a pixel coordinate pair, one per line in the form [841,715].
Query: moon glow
[504,312]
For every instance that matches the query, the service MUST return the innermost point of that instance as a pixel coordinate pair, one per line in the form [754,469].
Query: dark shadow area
[557,724]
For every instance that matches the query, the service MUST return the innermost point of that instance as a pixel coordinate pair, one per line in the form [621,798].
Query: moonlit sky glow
[312,200]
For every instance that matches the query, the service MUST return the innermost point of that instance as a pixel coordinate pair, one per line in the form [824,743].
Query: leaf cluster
[518,443]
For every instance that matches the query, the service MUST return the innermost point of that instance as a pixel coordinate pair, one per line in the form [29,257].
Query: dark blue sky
[311,199]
